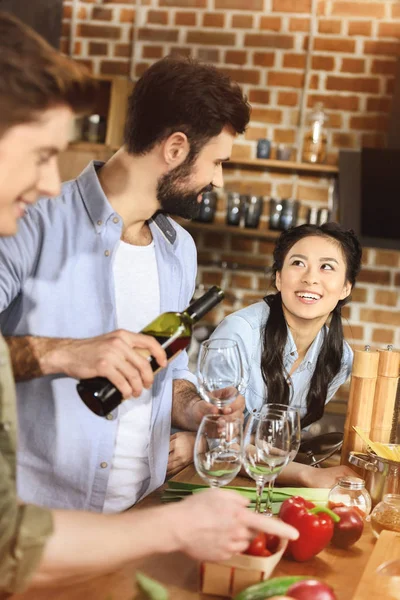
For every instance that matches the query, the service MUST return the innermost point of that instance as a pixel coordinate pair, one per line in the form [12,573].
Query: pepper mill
[361,400]
[385,396]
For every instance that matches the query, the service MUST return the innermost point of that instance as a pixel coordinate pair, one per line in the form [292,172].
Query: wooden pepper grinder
[361,399]
[385,396]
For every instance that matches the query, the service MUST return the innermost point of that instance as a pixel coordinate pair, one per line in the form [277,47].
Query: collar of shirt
[100,209]
[310,359]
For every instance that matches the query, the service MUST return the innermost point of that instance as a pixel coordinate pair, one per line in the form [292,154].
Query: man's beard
[174,197]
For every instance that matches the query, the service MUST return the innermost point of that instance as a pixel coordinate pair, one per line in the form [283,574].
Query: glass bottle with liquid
[173,330]
[315,139]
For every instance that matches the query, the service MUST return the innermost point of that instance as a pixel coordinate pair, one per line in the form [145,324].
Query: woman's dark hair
[275,331]
[179,94]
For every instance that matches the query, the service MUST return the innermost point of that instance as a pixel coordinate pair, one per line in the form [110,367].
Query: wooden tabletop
[342,569]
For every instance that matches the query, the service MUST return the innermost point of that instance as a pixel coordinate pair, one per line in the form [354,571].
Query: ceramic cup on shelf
[234,209]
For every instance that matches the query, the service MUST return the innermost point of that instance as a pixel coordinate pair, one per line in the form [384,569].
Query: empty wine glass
[293,417]
[266,449]
[220,371]
[218,449]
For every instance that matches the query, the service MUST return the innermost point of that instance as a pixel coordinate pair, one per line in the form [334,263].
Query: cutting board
[372,584]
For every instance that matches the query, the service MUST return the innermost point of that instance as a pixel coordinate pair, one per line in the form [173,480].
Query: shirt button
[107,253]
[292,353]
[99,222]
[6,425]
[115,220]
[104,465]
[109,417]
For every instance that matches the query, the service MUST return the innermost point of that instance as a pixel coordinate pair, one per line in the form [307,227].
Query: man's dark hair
[177,94]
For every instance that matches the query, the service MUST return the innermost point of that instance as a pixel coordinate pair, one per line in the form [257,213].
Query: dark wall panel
[44,16]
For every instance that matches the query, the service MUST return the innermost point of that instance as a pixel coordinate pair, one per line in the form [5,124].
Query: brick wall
[263,44]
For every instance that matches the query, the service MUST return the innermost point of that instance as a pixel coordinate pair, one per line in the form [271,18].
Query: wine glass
[220,371]
[218,449]
[266,451]
[293,417]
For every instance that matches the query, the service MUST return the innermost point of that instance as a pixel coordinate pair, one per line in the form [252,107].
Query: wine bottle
[172,330]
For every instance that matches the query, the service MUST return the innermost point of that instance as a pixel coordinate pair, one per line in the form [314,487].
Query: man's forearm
[34,356]
[185,396]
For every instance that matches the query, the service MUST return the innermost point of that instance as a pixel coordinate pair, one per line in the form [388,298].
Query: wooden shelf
[281,165]
[261,234]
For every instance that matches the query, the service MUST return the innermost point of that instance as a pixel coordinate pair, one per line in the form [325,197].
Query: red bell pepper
[315,525]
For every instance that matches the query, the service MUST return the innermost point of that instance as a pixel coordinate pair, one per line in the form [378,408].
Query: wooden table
[342,569]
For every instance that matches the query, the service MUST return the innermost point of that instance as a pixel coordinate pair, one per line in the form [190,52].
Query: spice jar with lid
[350,491]
[315,139]
[386,514]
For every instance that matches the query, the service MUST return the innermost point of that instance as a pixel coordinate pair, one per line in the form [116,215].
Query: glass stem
[259,493]
[268,502]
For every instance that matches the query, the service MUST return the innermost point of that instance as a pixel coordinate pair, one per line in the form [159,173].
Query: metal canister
[382,476]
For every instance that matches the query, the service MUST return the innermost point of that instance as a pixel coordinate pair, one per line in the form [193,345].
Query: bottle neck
[203,305]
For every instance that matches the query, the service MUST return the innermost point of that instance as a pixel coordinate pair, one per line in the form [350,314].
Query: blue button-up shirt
[246,327]
[56,280]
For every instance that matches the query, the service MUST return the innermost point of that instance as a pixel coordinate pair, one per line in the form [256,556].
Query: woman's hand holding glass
[220,372]
[266,451]
[218,449]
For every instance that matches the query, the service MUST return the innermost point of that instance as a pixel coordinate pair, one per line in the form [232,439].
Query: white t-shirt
[137,296]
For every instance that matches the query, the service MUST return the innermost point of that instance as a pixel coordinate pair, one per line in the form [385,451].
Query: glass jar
[315,139]
[386,514]
[350,491]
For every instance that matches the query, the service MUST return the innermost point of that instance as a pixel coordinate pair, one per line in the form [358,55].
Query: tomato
[272,542]
[311,589]
[258,546]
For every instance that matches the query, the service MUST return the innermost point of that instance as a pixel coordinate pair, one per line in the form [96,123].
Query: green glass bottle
[173,330]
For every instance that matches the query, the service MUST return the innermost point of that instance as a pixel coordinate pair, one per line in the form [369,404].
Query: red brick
[326,44]
[67,12]
[236,57]
[259,97]
[350,103]
[397,279]
[383,67]
[299,24]
[98,31]
[375,47]
[353,84]
[243,75]
[374,276]
[141,68]
[285,79]
[180,51]
[383,336]
[64,46]
[373,140]
[114,67]
[271,23]
[123,50]
[294,61]
[396,11]
[391,30]
[291,6]
[183,3]
[323,63]
[335,120]
[152,52]
[359,294]
[242,21]
[383,317]
[389,88]
[98,49]
[387,258]
[255,133]
[314,81]
[344,140]
[353,65]
[78,48]
[284,136]
[379,104]
[66,29]
[100,13]
[157,17]
[264,59]
[288,99]
[209,55]
[185,18]
[353,332]
[239,4]
[86,63]
[214,38]
[265,40]
[374,10]
[158,35]
[213,20]
[128,15]
[266,115]
[386,297]
[329,26]
[366,123]
[241,281]
[312,194]
[241,152]
[360,28]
